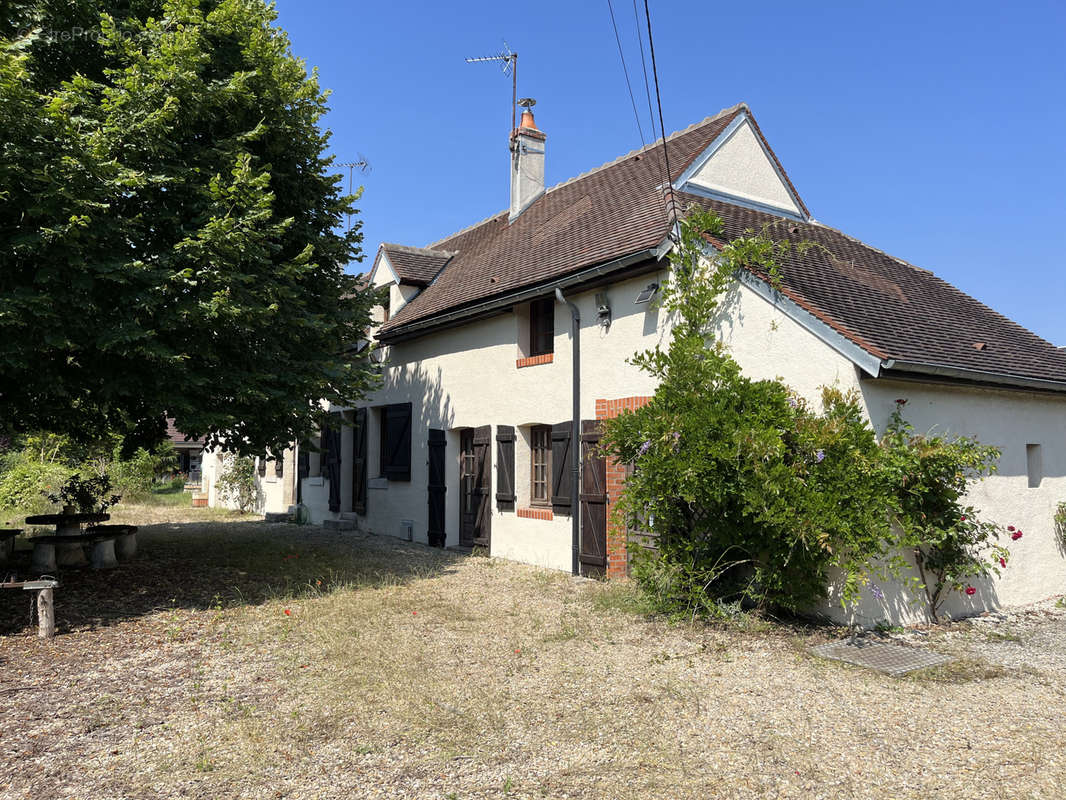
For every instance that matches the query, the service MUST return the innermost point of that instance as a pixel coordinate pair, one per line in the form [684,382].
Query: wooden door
[437,487]
[467,480]
[593,496]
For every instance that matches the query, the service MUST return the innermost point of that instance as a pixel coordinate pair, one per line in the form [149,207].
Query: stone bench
[125,539]
[68,550]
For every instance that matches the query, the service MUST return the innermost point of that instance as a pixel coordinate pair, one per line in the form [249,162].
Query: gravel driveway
[244,660]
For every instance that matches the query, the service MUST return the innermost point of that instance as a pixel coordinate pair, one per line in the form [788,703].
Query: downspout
[575,436]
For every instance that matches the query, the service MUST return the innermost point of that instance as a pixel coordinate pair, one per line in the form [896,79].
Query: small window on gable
[1034,465]
[542,326]
[540,468]
[396,442]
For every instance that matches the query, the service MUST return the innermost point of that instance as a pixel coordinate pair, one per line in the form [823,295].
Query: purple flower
[793,402]
[819,456]
[644,448]
[876,590]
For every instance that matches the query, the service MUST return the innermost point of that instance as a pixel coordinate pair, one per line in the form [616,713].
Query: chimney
[527,161]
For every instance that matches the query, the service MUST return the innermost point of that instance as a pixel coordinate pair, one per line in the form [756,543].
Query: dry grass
[405,672]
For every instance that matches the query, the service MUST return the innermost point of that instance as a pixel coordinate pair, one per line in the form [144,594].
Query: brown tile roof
[178,438]
[603,214]
[889,308]
[416,266]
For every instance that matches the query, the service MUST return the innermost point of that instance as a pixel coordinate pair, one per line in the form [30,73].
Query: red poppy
[971,591]
[288,613]
[414,613]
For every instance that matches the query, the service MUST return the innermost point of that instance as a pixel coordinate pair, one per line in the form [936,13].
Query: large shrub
[750,495]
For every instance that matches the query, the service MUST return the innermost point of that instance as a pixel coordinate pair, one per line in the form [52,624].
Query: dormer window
[542,326]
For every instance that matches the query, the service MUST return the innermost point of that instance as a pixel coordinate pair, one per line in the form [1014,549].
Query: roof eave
[448,319]
[899,368]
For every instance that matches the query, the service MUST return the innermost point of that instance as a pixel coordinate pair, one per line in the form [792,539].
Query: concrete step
[349,515]
[338,524]
[277,516]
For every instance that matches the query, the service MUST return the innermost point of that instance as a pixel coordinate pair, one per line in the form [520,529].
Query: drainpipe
[575,435]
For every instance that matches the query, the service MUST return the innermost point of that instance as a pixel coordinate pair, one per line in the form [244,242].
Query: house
[189,451]
[468,442]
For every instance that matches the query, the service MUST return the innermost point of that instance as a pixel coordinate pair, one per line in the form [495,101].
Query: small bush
[24,482]
[236,482]
[135,477]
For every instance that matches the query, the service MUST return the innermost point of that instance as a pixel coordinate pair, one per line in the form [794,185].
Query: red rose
[962,518]
[1003,562]
[1016,535]
[971,591]
[1010,527]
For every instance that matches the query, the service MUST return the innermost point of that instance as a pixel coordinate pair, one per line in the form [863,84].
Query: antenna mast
[363,165]
[509,63]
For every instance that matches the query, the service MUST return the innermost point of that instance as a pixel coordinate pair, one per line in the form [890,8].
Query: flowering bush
[1060,524]
[929,476]
[236,482]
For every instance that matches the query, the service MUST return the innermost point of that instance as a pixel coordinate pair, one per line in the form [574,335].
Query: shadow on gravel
[200,565]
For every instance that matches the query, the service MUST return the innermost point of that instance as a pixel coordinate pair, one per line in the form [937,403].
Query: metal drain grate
[889,658]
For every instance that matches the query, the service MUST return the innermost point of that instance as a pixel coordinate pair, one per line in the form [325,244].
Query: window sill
[532,361]
[536,513]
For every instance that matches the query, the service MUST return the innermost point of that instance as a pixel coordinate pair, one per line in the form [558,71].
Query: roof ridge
[632,153]
[406,248]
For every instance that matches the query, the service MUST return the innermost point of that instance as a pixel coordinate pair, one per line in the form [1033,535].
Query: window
[1034,465]
[542,326]
[396,442]
[541,464]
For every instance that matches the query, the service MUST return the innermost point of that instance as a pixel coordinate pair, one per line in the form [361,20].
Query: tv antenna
[363,165]
[508,61]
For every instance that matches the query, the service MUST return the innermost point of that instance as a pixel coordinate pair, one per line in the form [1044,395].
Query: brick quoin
[617,558]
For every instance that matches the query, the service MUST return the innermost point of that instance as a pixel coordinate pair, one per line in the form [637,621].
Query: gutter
[417,328]
[575,436]
[970,375]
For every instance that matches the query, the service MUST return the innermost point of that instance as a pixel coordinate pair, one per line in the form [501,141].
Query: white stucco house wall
[466,443]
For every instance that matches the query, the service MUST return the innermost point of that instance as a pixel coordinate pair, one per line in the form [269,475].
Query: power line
[644,66]
[629,86]
[659,102]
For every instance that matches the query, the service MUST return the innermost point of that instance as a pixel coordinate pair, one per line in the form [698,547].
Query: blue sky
[933,131]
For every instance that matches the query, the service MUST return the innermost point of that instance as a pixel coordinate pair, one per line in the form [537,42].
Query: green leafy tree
[169,228]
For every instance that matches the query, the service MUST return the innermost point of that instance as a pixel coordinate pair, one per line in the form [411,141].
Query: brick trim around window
[536,513]
[617,557]
[532,361]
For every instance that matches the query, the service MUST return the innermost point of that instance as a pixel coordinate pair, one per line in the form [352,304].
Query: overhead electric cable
[629,86]
[659,102]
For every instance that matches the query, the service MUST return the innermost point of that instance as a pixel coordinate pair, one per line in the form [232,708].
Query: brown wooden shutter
[437,487]
[562,468]
[505,493]
[593,555]
[331,447]
[397,464]
[483,485]
[359,470]
[303,465]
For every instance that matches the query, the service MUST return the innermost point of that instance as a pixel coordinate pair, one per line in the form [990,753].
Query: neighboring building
[467,442]
[190,455]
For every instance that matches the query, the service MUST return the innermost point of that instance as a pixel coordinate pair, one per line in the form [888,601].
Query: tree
[168,228]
